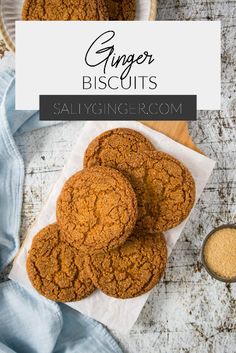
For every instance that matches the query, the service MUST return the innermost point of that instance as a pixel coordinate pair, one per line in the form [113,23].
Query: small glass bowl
[211,273]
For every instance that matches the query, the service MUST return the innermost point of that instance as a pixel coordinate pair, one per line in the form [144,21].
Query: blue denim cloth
[12,122]
[29,323]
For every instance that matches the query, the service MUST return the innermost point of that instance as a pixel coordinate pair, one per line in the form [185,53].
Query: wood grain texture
[188,312]
[177,130]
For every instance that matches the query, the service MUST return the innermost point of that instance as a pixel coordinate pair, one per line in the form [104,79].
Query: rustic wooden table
[188,311]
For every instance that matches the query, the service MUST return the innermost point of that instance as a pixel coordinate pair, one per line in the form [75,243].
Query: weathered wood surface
[188,312]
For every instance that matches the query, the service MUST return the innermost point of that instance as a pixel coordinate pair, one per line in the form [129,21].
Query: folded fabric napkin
[29,323]
[12,122]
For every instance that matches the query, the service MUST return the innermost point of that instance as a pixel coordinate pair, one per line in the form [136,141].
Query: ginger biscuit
[164,187]
[97,209]
[56,269]
[132,269]
[115,148]
[123,10]
[64,10]
[166,191]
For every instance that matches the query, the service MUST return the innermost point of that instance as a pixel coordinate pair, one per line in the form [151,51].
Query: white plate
[11,12]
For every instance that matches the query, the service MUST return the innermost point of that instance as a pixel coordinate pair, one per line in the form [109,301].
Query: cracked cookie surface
[132,269]
[55,268]
[164,187]
[121,10]
[115,147]
[166,191]
[97,209]
[66,10]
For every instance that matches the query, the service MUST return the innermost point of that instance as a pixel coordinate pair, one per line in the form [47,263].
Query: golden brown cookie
[164,187]
[56,269]
[123,10]
[97,209]
[132,269]
[66,10]
[115,147]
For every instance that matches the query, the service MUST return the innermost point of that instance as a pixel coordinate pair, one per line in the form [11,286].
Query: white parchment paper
[118,314]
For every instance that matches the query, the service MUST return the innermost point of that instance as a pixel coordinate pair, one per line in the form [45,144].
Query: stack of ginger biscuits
[110,219]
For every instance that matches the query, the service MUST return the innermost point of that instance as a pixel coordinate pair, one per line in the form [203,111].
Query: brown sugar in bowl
[219,253]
